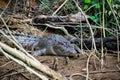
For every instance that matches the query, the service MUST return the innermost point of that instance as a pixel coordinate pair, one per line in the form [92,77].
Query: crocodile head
[65,48]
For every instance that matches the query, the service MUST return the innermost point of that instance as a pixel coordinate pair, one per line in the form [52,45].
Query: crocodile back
[23,40]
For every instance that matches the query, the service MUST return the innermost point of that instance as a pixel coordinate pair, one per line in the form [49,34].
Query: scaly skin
[25,41]
[48,45]
[55,45]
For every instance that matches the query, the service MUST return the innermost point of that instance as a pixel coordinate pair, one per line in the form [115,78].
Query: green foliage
[44,5]
[48,7]
[86,6]
[69,8]
[101,12]
[94,18]
[87,1]
[110,1]
[98,10]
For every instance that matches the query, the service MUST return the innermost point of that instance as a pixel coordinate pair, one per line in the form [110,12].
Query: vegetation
[103,12]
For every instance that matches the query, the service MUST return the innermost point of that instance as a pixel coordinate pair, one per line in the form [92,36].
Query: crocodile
[52,44]
[55,45]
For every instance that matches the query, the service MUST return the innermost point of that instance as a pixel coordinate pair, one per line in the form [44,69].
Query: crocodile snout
[71,49]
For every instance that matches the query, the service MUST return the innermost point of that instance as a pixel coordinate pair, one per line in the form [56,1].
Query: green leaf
[94,18]
[87,1]
[110,1]
[97,5]
[86,7]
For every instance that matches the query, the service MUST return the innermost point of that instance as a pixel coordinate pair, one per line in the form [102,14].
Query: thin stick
[103,19]
[5,8]
[92,35]
[87,66]
[105,71]
[76,74]
[60,7]
[6,64]
[114,15]
[59,27]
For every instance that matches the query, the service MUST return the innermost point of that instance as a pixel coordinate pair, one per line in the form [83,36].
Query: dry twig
[34,63]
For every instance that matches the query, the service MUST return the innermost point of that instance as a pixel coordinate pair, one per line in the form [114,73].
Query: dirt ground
[74,67]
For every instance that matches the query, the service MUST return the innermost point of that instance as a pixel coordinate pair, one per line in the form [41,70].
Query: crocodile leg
[40,52]
[50,50]
[44,51]
[77,49]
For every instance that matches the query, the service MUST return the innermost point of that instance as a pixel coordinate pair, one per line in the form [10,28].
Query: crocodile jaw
[40,52]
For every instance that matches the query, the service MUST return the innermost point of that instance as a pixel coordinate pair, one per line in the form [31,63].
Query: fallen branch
[34,63]
[23,64]
[78,17]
